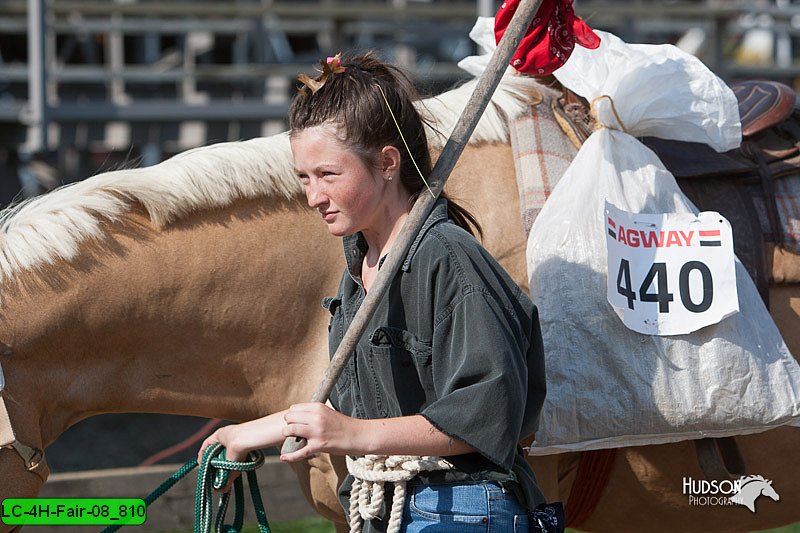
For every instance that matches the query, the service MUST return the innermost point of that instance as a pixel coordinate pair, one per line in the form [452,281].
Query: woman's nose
[315,195]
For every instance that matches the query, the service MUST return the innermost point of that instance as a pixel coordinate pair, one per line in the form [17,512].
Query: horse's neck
[194,319]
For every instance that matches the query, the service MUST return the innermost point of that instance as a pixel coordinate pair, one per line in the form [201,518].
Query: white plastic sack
[609,386]
[482,34]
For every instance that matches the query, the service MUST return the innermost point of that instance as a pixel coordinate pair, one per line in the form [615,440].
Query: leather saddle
[763,104]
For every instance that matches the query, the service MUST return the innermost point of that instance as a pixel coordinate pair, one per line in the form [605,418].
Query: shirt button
[484,519]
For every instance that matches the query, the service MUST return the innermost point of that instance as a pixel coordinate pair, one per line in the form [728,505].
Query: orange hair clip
[332,65]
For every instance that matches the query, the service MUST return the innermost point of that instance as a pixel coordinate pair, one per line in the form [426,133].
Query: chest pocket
[400,375]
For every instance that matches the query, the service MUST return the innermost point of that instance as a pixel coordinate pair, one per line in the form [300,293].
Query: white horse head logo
[751,487]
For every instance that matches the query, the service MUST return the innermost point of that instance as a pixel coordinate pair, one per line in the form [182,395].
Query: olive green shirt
[455,340]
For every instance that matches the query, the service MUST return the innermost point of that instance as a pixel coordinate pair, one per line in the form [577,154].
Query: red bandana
[550,38]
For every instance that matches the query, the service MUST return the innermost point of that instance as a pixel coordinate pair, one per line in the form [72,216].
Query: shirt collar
[355,246]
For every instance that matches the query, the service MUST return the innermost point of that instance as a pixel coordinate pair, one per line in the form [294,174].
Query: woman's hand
[240,439]
[226,436]
[325,430]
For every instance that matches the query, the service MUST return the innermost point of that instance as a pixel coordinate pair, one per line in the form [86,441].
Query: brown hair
[351,100]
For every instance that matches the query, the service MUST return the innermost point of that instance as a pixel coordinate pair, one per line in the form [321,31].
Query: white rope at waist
[371,472]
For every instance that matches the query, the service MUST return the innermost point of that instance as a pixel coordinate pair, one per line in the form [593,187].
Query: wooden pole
[487,83]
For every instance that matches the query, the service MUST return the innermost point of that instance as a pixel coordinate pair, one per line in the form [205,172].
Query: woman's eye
[303,178]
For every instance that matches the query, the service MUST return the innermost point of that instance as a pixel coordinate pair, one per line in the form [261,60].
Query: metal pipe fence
[74,74]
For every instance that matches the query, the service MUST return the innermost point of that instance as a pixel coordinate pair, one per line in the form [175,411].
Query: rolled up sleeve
[484,369]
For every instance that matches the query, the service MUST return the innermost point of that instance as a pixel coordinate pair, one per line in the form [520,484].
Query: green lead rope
[213,474]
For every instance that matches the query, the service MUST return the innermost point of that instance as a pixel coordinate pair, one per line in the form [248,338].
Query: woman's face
[349,195]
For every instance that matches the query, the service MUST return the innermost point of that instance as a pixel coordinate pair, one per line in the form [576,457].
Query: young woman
[451,365]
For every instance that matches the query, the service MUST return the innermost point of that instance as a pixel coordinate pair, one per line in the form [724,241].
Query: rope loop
[214,473]
[370,472]
[598,123]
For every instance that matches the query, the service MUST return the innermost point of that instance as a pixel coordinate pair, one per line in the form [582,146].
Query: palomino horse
[193,287]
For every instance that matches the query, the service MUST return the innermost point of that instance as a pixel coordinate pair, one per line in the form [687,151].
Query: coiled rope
[213,474]
[369,475]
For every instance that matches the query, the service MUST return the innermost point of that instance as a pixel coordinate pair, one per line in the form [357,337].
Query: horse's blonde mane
[43,229]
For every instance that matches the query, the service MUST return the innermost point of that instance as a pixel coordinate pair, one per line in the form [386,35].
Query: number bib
[670,274]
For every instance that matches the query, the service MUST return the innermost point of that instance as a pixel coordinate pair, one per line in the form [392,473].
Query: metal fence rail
[167,63]
[89,75]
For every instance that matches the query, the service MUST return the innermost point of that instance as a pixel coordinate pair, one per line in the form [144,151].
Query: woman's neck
[383,232]
[380,240]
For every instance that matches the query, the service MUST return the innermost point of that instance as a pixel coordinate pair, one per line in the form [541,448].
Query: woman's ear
[390,161]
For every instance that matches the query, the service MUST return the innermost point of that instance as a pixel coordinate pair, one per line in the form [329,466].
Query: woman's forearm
[408,435]
[327,430]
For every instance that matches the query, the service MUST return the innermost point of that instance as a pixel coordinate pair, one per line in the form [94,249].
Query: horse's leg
[319,478]
[340,471]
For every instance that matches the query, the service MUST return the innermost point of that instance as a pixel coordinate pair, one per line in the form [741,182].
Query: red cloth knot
[550,38]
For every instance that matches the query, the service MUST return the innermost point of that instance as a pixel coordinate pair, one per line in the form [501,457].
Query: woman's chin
[338,231]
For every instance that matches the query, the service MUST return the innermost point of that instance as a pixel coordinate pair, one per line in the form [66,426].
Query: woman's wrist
[233,439]
[366,437]
[263,432]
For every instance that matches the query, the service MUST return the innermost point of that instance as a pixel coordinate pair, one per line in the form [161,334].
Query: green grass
[794,528]
[311,525]
[304,525]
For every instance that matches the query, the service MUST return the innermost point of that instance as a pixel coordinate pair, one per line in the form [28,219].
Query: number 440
[657,276]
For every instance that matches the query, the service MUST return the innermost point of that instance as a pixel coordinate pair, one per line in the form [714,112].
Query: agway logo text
[742,491]
[636,238]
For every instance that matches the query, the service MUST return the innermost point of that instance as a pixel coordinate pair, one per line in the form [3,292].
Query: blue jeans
[483,507]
